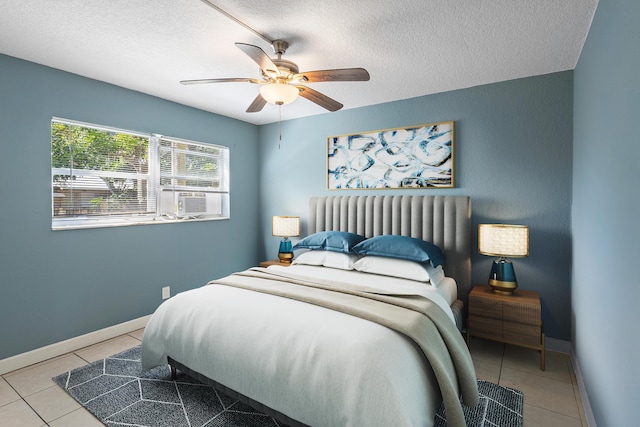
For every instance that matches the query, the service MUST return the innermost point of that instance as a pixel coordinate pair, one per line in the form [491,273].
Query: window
[105,177]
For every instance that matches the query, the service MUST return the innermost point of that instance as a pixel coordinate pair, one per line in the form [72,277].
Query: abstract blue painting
[414,157]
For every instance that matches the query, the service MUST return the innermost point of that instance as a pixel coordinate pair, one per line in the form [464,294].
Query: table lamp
[503,240]
[285,226]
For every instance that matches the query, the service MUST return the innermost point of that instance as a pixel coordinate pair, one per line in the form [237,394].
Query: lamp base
[502,278]
[285,252]
[503,288]
[285,257]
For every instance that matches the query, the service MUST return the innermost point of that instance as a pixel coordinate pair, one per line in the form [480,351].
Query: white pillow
[404,269]
[327,258]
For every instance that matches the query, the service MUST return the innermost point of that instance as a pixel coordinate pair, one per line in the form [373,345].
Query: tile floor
[551,397]
[29,398]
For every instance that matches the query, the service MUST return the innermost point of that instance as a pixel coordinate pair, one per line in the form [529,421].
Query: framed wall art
[413,157]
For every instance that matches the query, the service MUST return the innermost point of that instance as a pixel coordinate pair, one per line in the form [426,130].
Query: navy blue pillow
[401,247]
[335,241]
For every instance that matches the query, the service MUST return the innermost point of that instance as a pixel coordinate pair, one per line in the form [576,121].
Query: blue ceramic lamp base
[285,252]
[503,277]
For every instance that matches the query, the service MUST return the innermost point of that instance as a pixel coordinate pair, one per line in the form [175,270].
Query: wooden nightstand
[513,319]
[273,262]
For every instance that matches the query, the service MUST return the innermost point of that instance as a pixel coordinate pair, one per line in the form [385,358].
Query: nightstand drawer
[485,327]
[485,307]
[522,313]
[519,333]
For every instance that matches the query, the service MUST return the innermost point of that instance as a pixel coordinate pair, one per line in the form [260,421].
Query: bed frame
[442,220]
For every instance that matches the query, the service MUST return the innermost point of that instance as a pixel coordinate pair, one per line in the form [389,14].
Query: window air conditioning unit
[192,204]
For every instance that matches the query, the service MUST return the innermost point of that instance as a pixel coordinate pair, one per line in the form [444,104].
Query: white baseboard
[586,404]
[67,346]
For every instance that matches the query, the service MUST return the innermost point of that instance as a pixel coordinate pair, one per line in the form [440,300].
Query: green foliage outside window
[80,149]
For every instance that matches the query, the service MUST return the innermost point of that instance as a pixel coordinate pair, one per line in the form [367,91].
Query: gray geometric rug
[119,394]
[499,406]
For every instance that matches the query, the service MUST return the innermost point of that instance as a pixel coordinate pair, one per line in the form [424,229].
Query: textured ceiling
[410,47]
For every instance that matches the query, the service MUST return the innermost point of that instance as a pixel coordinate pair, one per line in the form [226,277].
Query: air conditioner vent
[192,204]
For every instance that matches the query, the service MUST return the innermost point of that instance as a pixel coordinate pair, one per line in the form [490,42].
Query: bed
[323,344]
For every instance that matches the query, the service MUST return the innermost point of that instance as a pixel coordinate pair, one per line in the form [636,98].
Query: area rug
[119,394]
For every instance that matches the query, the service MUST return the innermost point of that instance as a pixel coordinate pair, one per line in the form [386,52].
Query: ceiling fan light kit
[279,93]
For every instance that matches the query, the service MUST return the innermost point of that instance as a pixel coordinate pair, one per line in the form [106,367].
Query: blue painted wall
[59,285]
[513,156]
[606,211]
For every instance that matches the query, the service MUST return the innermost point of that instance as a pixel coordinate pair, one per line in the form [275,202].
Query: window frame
[156,212]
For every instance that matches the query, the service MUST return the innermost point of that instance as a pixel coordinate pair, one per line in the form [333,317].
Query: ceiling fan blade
[257,104]
[259,57]
[322,100]
[229,80]
[338,75]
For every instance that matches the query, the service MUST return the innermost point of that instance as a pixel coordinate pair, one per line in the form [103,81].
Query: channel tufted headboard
[442,220]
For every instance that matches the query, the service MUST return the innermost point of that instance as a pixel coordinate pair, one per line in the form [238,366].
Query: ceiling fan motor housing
[286,67]
[279,47]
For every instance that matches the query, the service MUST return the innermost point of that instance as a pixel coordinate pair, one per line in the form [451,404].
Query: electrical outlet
[166,292]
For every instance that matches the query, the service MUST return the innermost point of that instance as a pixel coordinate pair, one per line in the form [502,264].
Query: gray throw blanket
[416,317]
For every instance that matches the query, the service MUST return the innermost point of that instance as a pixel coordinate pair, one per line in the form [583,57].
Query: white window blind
[101,175]
[193,177]
[189,165]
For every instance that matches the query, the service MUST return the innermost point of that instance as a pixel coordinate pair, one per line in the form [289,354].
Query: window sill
[75,224]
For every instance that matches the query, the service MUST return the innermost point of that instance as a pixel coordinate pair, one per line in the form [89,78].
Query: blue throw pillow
[336,241]
[402,247]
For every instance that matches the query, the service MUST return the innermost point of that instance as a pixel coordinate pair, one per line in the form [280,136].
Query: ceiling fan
[281,82]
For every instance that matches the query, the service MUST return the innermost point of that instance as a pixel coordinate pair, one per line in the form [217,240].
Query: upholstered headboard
[442,220]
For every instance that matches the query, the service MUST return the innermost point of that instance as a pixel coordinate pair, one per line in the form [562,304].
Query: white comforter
[318,366]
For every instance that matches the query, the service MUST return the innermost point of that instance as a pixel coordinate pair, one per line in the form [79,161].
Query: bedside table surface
[273,262]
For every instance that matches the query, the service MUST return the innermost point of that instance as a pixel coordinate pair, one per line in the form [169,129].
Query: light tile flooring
[29,398]
[551,397]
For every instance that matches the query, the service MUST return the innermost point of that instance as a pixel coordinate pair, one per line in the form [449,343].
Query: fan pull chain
[280,124]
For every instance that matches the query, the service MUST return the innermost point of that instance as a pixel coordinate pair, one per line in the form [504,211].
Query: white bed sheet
[318,366]
[446,288]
